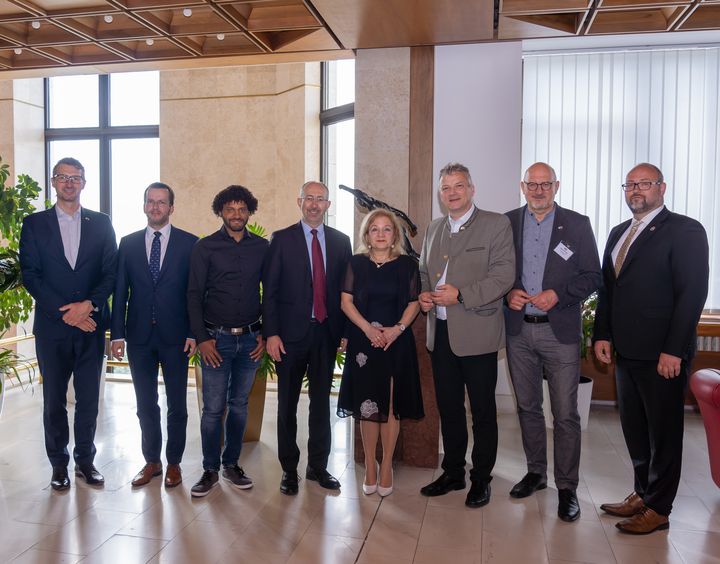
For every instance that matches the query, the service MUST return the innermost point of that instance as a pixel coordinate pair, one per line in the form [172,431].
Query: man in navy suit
[150,314]
[557,267]
[67,257]
[303,326]
[655,275]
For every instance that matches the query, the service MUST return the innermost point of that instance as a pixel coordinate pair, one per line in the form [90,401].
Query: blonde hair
[396,248]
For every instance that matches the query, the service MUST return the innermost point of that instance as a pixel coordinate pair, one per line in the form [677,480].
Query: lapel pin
[560,226]
[652,228]
[86,218]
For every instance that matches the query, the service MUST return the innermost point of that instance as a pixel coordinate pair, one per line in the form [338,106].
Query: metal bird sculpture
[366,201]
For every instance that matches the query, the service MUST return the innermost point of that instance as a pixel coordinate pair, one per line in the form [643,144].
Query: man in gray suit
[467,265]
[557,268]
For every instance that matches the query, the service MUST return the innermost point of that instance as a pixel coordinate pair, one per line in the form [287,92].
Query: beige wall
[256,126]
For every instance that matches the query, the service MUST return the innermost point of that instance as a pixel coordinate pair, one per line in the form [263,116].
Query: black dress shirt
[224,285]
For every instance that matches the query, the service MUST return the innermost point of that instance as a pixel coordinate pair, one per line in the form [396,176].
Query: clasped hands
[544,301]
[77,314]
[443,295]
[382,337]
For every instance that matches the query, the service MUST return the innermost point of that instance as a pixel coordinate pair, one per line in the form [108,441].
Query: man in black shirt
[224,309]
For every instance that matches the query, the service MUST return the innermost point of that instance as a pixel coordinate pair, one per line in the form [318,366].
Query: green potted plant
[16,202]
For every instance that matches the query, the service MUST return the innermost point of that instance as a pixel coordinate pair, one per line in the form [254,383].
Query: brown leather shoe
[644,523]
[173,475]
[148,472]
[628,507]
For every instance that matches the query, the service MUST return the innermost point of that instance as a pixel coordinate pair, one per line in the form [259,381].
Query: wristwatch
[401,326]
[460,298]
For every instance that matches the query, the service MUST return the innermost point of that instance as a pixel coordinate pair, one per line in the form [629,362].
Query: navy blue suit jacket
[287,283]
[48,277]
[135,294]
[655,304]
[573,280]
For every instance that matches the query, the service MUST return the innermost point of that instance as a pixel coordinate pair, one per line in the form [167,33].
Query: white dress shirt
[70,233]
[455,225]
[164,238]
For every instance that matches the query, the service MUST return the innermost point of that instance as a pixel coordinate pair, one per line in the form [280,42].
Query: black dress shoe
[479,494]
[60,480]
[568,506]
[322,477]
[528,485]
[443,485]
[90,474]
[289,483]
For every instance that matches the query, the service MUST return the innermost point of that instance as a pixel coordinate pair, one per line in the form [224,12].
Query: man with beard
[224,308]
[150,313]
[557,267]
[303,325]
[655,274]
[67,257]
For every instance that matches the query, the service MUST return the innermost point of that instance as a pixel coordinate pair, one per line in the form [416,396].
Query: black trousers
[144,360]
[652,418]
[80,355]
[453,375]
[314,356]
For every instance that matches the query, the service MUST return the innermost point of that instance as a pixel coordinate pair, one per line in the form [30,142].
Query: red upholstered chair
[705,384]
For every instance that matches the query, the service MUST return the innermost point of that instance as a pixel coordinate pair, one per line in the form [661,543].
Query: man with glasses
[303,325]
[557,267]
[224,309]
[150,313]
[655,274]
[467,265]
[67,257]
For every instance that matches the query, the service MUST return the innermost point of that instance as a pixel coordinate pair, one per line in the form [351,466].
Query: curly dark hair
[234,193]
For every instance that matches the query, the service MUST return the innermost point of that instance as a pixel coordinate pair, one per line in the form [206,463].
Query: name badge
[563,251]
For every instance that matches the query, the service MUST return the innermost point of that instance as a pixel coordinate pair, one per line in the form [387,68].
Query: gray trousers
[528,353]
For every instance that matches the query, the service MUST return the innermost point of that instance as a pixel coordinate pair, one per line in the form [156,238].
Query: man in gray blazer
[557,268]
[467,265]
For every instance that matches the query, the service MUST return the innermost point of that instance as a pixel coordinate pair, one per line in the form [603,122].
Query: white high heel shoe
[372,488]
[384,492]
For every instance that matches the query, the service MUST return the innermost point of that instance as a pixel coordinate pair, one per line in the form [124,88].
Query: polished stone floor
[119,524]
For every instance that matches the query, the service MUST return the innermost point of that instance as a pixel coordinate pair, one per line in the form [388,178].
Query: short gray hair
[455,168]
[302,188]
[551,169]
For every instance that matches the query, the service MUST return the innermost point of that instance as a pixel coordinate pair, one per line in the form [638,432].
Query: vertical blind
[593,116]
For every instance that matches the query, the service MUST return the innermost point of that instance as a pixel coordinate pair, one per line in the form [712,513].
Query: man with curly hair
[224,310]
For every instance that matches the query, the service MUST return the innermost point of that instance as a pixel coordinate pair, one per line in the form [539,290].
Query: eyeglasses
[66,178]
[317,199]
[644,185]
[532,186]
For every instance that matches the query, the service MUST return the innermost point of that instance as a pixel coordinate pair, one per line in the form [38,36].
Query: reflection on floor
[119,524]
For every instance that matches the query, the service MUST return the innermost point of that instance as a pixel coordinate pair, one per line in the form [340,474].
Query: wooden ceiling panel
[510,7]
[121,26]
[705,16]
[25,59]
[366,24]
[213,45]
[635,21]
[87,54]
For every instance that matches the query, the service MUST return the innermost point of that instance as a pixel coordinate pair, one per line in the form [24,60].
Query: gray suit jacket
[573,280]
[482,266]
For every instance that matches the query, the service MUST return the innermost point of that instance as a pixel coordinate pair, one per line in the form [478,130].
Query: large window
[338,141]
[593,116]
[110,124]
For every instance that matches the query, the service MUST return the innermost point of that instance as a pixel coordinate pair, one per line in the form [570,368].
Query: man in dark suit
[655,274]
[303,326]
[150,313]
[557,267]
[67,257]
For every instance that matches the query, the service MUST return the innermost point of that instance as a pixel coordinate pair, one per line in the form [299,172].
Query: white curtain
[592,116]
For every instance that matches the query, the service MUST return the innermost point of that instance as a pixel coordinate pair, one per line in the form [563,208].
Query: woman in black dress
[381,382]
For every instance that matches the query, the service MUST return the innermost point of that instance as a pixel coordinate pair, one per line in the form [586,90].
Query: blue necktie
[155,257]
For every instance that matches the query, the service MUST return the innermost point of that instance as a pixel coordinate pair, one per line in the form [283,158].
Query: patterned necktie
[155,257]
[622,253]
[318,272]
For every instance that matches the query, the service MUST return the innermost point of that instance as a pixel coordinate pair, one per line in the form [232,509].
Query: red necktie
[318,272]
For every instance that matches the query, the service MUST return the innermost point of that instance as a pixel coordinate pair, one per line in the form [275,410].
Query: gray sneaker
[236,476]
[204,484]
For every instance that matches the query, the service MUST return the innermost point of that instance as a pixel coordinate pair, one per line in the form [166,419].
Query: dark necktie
[155,258]
[318,271]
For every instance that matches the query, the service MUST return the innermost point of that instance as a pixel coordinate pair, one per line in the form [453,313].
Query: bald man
[557,268]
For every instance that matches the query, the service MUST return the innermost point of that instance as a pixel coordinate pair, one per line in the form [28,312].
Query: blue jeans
[227,386]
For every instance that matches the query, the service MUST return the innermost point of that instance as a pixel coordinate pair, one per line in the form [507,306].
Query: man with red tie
[303,325]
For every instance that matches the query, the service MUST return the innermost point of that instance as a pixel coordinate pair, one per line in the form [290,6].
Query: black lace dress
[381,295]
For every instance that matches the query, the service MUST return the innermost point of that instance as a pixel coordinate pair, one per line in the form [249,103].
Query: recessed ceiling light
[18,51]
[220,36]
[187,12]
[149,41]
[108,19]
[35,24]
